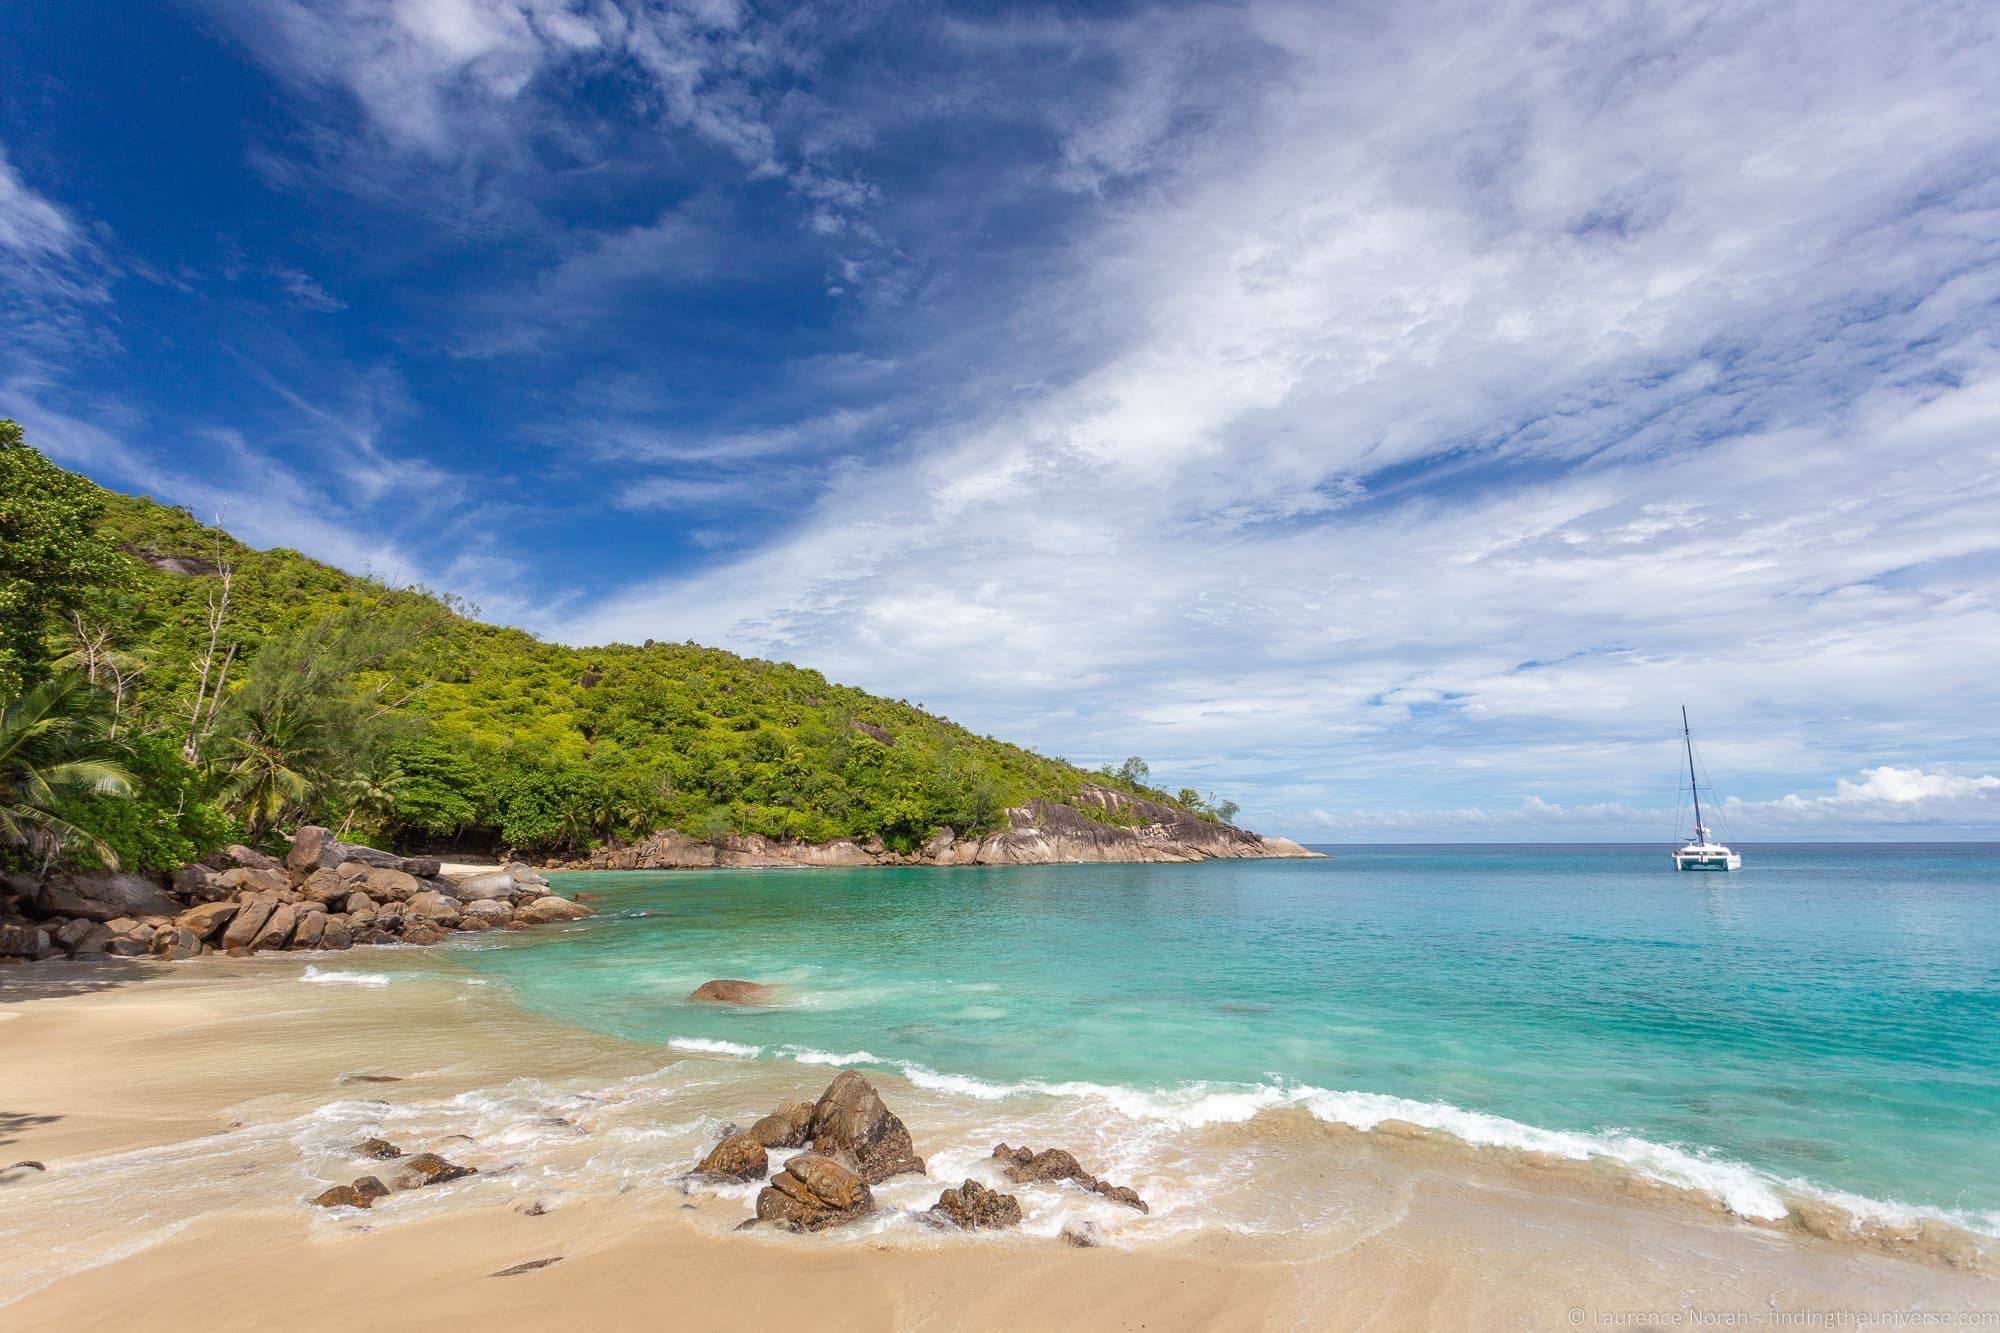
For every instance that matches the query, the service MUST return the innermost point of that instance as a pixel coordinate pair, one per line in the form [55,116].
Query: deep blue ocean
[1826,1019]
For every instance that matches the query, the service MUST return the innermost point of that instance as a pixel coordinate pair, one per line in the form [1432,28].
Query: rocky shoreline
[1127,829]
[325,894]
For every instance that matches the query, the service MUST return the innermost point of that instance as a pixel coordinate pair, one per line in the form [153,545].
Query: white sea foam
[313,974]
[1742,1189]
[806,1055]
[715,1046]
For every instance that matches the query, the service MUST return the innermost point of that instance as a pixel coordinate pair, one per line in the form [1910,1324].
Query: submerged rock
[972,1206]
[737,1157]
[813,1192]
[361,1194]
[1083,1233]
[380,1149]
[850,1122]
[549,908]
[731,992]
[1025,1165]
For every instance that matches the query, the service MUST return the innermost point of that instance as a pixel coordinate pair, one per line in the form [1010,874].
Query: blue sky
[1384,414]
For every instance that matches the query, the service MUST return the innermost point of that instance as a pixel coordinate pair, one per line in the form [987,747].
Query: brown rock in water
[492,912]
[730,992]
[371,1188]
[1025,1165]
[251,914]
[972,1206]
[549,908]
[349,1196]
[309,844]
[738,1157]
[851,1122]
[204,921]
[420,931]
[427,1168]
[339,934]
[435,906]
[276,931]
[380,1149]
[813,1192]
[1124,1194]
[790,1126]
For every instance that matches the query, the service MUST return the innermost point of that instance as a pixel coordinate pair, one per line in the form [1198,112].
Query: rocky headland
[1118,828]
[324,894]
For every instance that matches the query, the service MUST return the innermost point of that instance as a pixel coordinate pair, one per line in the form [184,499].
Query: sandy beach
[186,1113]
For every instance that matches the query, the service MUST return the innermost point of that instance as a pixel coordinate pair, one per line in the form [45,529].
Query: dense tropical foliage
[252,690]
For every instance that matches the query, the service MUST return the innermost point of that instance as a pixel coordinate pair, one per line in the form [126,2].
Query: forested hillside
[245,691]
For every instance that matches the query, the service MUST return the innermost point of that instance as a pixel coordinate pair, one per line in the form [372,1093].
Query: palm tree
[53,744]
[270,764]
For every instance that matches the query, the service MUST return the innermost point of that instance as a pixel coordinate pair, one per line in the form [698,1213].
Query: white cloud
[1652,345]
[1885,802]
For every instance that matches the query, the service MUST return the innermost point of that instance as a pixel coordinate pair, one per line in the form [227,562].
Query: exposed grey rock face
[104,897]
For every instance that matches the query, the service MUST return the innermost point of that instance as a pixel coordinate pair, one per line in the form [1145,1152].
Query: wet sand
[186,1112]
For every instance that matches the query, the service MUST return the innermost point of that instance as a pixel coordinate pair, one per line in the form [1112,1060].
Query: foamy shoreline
[146,1080]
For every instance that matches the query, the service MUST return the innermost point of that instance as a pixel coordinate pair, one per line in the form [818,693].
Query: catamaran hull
[1708,862]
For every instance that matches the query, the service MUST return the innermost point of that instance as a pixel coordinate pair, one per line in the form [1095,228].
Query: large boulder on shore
[972,1207]
[813,1192]
[251,914]
[480,888]
[388,885]
[732,992]
[851,1124]
[206,919]
[738,1157]
[310,846]
[104,897]
[276,932]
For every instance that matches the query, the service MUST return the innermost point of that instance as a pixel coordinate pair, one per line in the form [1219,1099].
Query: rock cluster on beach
[854,1141]
[418,1171]
[1038,833]
[324,894]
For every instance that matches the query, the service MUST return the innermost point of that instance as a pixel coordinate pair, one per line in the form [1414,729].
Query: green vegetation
[248,691]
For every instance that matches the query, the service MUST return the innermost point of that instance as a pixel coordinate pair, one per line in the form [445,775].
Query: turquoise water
[1828,1017]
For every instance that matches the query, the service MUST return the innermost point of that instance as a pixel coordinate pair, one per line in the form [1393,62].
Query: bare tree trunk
[218,611]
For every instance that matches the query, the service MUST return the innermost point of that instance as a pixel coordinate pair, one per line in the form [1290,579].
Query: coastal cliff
[1125,829]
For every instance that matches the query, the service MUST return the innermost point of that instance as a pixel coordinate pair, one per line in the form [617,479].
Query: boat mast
[1700,833]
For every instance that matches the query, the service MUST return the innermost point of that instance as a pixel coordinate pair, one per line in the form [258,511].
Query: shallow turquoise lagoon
[1828,1017]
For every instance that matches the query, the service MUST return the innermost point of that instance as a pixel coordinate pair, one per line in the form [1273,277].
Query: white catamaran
[1700,853]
